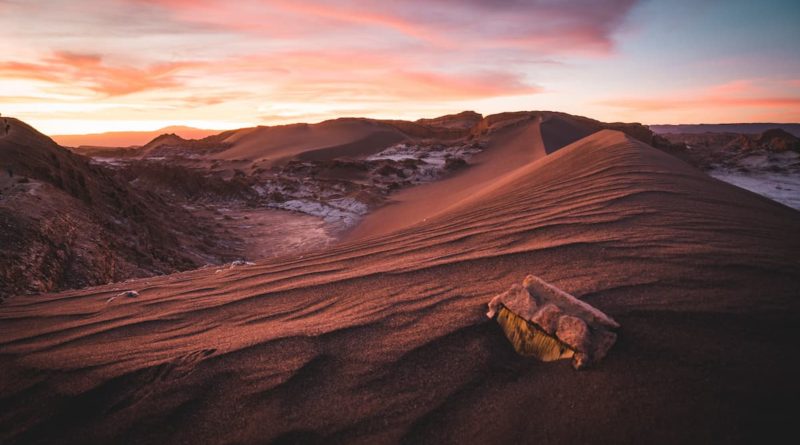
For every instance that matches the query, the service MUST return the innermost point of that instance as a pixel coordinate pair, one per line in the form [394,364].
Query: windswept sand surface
[383,338]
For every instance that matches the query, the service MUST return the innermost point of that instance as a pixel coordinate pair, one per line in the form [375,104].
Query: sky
[86,66]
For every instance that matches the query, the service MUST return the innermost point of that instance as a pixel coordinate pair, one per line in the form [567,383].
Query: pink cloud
[740,93]
[370,76]
[363,16]
[739,86]
[657,104]
[421,85]
[564,27]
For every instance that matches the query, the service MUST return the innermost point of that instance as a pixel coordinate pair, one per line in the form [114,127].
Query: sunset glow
[85,66]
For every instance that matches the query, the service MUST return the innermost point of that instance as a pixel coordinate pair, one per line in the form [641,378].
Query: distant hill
[129,138]
[724,128]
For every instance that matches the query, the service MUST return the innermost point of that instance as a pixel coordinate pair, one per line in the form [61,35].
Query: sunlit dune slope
[384,339]
[508,149]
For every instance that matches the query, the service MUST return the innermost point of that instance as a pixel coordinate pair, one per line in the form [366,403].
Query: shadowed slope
[66,222]
[384,339]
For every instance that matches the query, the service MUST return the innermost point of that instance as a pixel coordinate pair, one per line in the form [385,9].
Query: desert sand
[383,337]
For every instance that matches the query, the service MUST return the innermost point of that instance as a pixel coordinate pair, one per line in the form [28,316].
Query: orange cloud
[91,72]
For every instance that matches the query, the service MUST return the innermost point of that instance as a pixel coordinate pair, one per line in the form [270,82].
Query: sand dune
[510,148]
[344,137]
[383,338]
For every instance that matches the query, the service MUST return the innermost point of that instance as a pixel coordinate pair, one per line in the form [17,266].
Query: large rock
[543,321]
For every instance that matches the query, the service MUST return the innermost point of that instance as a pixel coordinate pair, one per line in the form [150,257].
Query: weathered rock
[543,291]
[543,321]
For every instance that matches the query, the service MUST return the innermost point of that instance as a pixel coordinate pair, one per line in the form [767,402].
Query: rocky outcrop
[543,321]
[67,222]
[777,140]
[463,121]
[778,148]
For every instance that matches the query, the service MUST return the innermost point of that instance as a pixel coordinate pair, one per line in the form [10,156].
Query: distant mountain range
[724,128]
[128,138]
[139,138]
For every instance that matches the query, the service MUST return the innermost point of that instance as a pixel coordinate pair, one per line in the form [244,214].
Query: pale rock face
[541,290]
[582,328]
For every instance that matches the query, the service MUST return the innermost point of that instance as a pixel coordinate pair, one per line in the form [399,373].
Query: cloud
[91,72]
[364,76]
[765,94]
[660,104]
[533,26]
[364,16]
[430,85]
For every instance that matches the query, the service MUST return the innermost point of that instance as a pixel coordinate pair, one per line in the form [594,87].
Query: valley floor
[261,233]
